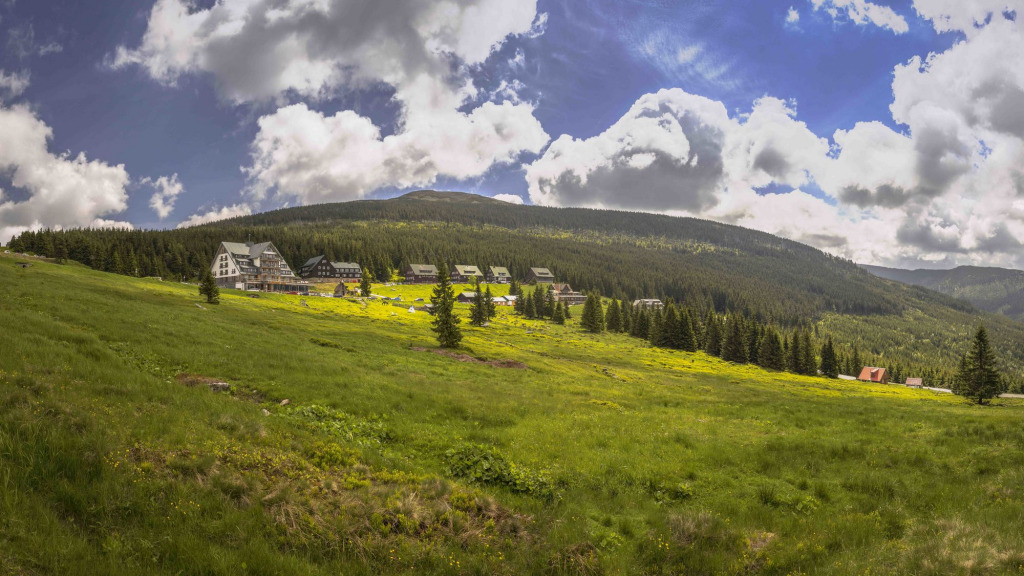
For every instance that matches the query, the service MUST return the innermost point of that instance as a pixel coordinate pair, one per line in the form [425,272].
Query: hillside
[539,450]
[996,290]
[700,264]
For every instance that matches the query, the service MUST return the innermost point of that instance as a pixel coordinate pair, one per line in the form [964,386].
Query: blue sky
[147,94]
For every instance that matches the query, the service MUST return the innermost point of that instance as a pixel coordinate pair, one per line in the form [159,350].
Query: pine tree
[978,377]
[568,315]
[642,324]
[856,363]
[549,303]
[492,309]
[654,333]
[539,301]
[808,363]
[520,304]
[530,308]
[593,314]
[208,287]
[713,338]
[829,363]
[445,322]
[614,318]
[366,284]
[770,354]
[753,341]
[626,313]
[734,348]
[559,316]
[478,309]
[687,342]
[669,337]
[794,357]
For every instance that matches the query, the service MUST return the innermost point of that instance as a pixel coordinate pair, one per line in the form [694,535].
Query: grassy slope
[661,462]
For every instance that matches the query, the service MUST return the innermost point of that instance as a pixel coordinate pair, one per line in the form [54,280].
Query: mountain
[996,290]
[702,265]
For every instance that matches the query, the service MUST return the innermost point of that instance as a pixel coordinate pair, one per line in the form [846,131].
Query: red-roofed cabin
[876,375]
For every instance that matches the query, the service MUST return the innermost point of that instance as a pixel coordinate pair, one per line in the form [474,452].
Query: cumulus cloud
[792,16]
[13,84]
[63,190]
[862,12]
[165,193]
[216,214]
[510,198]
[259,50]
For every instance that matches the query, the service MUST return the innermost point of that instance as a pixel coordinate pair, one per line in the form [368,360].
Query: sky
[887,132]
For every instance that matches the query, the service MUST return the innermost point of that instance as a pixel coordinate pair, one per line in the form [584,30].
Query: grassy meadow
[535,449]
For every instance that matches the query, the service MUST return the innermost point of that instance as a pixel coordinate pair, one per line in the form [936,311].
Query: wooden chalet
[319,267]
[254,267]
[466,297]
[876,375]
[498,275]
[540,276]
[348,271]
[565,293]
[915,383]
[421,274]
[462,274]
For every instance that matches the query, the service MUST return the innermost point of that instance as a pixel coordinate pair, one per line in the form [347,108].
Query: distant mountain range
[995,290]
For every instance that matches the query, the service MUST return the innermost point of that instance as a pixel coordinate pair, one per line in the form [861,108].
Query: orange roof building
[876,375]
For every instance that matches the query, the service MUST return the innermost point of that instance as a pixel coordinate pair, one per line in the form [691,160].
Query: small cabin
[872,374]
[421,274]
[565,293]
[466,297]
[649,303]
[340,291]
[915,383]
[540,276]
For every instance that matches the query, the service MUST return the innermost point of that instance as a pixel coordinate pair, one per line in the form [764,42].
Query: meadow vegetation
[533,449]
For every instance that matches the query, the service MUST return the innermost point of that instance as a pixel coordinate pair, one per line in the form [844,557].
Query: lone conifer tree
[978,377]
[593,314]
[478,309]
[208,287]
[445,322]
[366,284]
[829,362]
[492,310]
[559,316]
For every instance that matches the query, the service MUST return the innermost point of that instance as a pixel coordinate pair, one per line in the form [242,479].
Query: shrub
[485,465]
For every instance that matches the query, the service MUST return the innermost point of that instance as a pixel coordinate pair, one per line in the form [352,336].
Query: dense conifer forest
[702,267]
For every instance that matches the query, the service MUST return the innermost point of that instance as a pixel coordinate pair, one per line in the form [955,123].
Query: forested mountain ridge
[702,265]
[997,290]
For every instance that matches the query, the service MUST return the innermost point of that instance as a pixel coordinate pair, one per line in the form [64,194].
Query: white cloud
[14,84]
[510,198]
[165,192]
[964,15]
[257,50]
[862,12]
[792,16]
[216,214]
[63,190]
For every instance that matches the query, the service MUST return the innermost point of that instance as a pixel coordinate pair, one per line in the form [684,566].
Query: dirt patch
[473,360]
[193,380]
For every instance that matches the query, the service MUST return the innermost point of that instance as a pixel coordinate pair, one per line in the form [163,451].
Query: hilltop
[996,290]
[537,449]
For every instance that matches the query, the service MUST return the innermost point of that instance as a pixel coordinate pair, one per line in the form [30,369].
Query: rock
[285,402]
[219,386]
[266,412]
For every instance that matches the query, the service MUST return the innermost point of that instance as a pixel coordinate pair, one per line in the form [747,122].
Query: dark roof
[313,261]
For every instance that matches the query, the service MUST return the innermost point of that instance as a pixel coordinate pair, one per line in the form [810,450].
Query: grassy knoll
[541,450]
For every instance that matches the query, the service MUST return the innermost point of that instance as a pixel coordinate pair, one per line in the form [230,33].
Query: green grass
[601,456]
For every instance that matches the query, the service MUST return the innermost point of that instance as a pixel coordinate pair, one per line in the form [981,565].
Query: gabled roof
[463,270]
[541,272]
[468,295]
[313,261]
[562,288]
[871,374]
[345,265]
[423,269]
[499,271]
[915,382]
[248,250]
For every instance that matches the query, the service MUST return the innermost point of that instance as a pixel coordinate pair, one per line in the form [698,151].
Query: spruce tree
[208,287]
[559,316]
[366,284]
[654,333]
[642,324]
[713,339]
[857,363]
[794,358]
[626,313]
[753,341]
[770,354]
[519,307]
[549,302]
[539,301]
[568,315]
[492,309]
[978,377]
[445,322]
[530,308]
[478,309]
[670,327]
[829,362]
[613,320]
[687,342]
[808,363]
[734,348]
[593,314]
